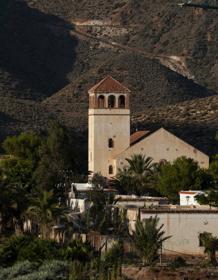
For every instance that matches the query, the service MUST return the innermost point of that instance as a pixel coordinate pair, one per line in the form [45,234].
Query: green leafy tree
[58,161]
[25,146]
[210,244]
[213,170]
[16,171]
[183,174]
[210,198]
[16,176]
[15,187]
[148,238]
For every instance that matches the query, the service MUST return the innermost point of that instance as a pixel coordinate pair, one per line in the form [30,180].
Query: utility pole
[203,5]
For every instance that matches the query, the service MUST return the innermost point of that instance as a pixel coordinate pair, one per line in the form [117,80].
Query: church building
[110,142]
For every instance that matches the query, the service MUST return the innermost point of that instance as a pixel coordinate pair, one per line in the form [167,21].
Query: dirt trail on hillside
[175,63]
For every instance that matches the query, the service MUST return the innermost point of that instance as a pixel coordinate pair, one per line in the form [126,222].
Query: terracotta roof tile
[190,192]
[108,85]
[137,136]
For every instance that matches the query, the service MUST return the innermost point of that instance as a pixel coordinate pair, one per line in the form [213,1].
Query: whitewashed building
[188,198]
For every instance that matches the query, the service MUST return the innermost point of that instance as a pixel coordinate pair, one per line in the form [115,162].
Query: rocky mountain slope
[51,52]
[160,28]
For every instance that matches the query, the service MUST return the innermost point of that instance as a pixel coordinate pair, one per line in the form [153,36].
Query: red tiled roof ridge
[137,136]
[109,85]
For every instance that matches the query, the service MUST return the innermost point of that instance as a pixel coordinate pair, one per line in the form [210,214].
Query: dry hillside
[51,52]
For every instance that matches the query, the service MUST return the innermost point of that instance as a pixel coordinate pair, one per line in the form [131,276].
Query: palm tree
[148,239]
[210,244]
[137,176]
[13,203]
[45,211]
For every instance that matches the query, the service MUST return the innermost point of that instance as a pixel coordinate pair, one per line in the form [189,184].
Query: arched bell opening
[111,101]
[101,102]
[122,101]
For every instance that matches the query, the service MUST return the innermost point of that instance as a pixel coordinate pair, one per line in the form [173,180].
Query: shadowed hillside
[36,51]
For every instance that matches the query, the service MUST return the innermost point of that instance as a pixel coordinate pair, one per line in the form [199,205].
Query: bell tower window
[122,101]
[111,101]
[110,143]
[110,169]
[101,102]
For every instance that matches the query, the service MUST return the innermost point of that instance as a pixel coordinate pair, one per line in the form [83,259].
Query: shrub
[15,249]
[52,270]
[18,269]
[20,248]
[178,262]
[76,250]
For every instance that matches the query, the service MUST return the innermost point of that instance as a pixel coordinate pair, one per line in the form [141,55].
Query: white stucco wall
[105,124]
[80,205]
[184,227]
[162,145]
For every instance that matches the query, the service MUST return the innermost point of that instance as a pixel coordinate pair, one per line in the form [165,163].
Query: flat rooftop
[140,198]
[180,209]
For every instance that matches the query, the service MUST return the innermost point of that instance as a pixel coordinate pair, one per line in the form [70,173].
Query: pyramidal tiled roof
[108,85]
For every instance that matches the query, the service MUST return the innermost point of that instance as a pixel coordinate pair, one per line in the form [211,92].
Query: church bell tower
[109,125]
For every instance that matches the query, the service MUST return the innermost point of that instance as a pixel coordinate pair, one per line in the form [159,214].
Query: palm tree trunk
[212,256]
[44,231]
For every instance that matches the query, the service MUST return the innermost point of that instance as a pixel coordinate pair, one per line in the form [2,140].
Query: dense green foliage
[25,256]
[210,244]
[178,262]
[213,170]
[45,211]
[142,177]
[114,256]
[24,146]
[210,197]
[182,174]
[21,248]
[136,178]
[35,177]
[56,155]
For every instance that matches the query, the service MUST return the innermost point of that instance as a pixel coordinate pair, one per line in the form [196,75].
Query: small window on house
[101,101]
[111,171]
[110,143]
[111,101]
[122,101]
